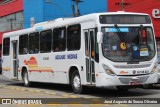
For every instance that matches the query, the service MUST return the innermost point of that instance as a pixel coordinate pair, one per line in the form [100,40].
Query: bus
[100,50]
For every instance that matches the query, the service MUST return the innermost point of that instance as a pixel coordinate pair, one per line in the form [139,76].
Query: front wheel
[146,86]
[76,83]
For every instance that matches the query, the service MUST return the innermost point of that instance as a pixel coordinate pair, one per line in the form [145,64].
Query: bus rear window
[125,19]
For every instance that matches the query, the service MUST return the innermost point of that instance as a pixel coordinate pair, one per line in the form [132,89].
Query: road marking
[65,95]
[55,104]
[73,96]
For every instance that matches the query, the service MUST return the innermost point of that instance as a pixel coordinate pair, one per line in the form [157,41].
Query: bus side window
[34,43]
[45,41]
[74,37]
[6,46]
[23,44]
[59,39]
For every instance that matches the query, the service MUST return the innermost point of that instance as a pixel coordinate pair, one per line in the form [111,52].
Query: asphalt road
[15,89]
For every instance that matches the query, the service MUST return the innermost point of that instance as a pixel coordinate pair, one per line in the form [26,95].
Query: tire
[122,88]
[146,86]
[76,83]
[26,79]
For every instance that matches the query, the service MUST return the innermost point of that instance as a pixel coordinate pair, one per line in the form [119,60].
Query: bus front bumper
[104,80]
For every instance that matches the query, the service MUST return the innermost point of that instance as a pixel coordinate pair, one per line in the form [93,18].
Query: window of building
[11,22]
[23,44]
[34,43]
[6,46]
[73,37]
[59,39]
[45,41]
[3,2]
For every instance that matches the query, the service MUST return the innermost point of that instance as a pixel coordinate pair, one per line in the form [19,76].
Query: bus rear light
[108,70]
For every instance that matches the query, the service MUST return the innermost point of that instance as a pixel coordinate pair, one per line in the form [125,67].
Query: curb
[39,91]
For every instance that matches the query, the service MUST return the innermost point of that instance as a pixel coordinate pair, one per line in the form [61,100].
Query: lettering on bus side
[45,58]
[68,56]
[72,56]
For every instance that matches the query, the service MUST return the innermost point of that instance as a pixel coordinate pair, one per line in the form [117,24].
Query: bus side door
[91,56]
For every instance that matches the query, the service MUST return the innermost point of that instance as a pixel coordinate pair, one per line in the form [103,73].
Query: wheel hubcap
[76,82]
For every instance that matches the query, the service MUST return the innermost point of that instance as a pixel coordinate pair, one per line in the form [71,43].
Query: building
[52,9]
[11,16]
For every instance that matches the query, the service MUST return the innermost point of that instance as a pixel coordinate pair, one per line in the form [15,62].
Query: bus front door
[90,55]
[15,59]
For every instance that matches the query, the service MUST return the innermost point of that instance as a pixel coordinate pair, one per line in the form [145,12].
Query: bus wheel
[122,88]
[76,83]
[146,86]
[25,79]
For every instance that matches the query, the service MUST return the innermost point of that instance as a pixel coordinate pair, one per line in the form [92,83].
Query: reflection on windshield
[133,44]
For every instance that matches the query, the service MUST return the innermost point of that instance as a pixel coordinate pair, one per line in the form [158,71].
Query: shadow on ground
[97,92]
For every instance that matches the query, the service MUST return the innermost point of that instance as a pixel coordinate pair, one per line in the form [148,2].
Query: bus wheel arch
[25,77]
[71,71]
[75,80]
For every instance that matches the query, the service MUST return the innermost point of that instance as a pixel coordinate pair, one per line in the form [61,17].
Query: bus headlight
[154,68]
[108,70]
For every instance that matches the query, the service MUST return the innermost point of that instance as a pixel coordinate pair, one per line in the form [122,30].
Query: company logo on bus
[141,72]
[31,62]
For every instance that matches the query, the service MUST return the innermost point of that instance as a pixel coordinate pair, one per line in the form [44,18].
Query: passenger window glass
[34,43]
[73,37]
[45,41]
[23,44]
[6,46]
[59,39]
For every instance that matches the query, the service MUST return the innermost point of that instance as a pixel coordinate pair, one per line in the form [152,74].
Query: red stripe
[40,71]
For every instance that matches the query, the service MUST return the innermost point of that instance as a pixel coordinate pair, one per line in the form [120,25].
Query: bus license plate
[134,83]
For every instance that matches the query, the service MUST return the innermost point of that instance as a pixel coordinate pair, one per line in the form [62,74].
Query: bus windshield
[128,43]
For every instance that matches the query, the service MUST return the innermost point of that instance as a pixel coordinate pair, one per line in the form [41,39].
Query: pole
[77,11]
[11,21]
[123,5]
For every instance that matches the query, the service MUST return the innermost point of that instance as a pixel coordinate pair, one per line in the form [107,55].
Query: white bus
[102,49]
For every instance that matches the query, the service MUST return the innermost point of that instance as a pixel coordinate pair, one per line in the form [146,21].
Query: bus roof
[66,21]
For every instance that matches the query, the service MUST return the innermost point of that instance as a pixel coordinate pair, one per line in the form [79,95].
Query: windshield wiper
[119,33]
[140,35]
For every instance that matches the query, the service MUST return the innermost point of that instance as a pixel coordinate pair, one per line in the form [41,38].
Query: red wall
[1,33]
[12,7]
[142,6]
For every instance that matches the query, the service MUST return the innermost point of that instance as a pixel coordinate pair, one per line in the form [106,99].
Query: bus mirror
[99,37]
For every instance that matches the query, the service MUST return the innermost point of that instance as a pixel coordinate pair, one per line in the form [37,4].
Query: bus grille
[131,66]
[127,80]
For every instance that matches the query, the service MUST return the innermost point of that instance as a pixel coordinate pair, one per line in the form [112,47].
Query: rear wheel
[26,79]
[76,83]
